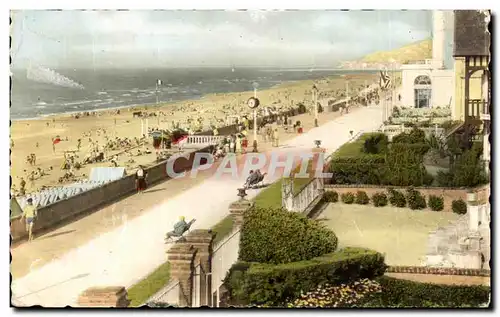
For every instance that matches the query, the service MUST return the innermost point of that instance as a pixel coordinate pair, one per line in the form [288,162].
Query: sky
[123,39]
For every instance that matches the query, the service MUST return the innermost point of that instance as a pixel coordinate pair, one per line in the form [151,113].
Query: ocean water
[112,88]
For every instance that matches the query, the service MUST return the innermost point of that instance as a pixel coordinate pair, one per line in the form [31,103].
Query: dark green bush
[348,198]
[415,136]
[467,171]
[396,198]
[404,293]
[330,196]
[436,203]
[375,143]
[278,236]
[416,201]
[362,198]
[366,169]
[379,199]
[459,207]
[268,284]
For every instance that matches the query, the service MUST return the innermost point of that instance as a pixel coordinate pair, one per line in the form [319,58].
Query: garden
[372,159]
[288,260]
[423,117]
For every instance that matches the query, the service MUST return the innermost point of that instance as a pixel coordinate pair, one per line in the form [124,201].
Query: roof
[471,33]
[106,174]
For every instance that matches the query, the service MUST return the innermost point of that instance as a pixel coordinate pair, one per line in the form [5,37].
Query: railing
[204,139]
[477,108]
[301,201]
[225,254]
[168,294]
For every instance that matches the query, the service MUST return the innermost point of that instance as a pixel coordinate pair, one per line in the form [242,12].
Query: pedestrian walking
[29,215]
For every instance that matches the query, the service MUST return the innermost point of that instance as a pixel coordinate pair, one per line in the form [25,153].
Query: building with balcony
[430,83]
[473,78]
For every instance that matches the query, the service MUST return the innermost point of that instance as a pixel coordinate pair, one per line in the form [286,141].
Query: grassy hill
[413,52]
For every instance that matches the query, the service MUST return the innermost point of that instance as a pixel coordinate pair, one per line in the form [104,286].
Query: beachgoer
[29,213]
[140,179]
[22,187]
[275,137]
[179,228]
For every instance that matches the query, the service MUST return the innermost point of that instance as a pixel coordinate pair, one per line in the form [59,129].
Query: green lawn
[222,229]
[139,293]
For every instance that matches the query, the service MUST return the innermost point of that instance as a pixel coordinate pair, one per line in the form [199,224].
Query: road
[123,255]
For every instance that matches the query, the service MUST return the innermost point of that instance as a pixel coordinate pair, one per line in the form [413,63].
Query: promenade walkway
[124,254]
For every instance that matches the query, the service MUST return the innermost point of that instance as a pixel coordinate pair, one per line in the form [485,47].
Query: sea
[118,88]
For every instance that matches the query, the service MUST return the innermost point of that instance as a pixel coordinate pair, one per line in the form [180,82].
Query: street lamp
[315,100]
[253,103]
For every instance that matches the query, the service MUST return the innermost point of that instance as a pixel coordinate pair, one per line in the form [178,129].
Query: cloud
[234,37]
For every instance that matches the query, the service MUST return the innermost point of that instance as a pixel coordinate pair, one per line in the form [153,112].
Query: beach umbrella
[56,140]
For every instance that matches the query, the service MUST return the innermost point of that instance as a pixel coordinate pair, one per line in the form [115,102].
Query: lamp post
[315,100]
[253,103]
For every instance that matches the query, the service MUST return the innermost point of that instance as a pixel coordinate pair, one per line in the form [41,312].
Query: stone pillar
[99,297]
[473,211]
[181,256]
[201,240]
[237,210]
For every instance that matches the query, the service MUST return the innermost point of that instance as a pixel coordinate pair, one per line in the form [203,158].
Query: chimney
[438,38]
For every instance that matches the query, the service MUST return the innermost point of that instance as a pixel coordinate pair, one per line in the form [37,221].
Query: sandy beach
[35,136]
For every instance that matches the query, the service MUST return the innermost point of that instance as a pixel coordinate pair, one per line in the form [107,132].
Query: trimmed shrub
[467,171]
[416,200]
[362,198]
[348,198]
[278,236]
[459,207]
[273,285]
[364,169]
[379,199]
[404,293]
[396,198]
[375,143]
[330,197]
[436,203]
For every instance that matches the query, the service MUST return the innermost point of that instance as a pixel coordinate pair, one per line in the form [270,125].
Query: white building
[430,83]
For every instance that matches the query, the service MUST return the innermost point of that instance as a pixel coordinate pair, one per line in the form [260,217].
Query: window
[423,91]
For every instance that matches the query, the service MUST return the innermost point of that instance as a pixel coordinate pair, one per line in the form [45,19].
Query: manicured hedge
[436,203]
[370,160]
[379,199]
[404,293]
[459,207]
[396,198]
[278,236]
[348,198]
[415,199]
[467,171]
[331,196]
[362,198]
[259,283]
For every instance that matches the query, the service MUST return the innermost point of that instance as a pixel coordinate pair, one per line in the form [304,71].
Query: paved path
[123,255]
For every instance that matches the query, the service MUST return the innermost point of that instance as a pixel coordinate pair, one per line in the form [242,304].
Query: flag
[56,140]
[385,79]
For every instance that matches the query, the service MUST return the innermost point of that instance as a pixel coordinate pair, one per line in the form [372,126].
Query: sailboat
[232,69]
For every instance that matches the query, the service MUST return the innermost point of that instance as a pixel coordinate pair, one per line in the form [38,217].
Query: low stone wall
[449,194]
[437,270]
[104,297]
[52,215]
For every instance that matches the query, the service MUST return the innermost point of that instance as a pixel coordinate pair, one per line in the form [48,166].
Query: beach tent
[106,174]
[15,209]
